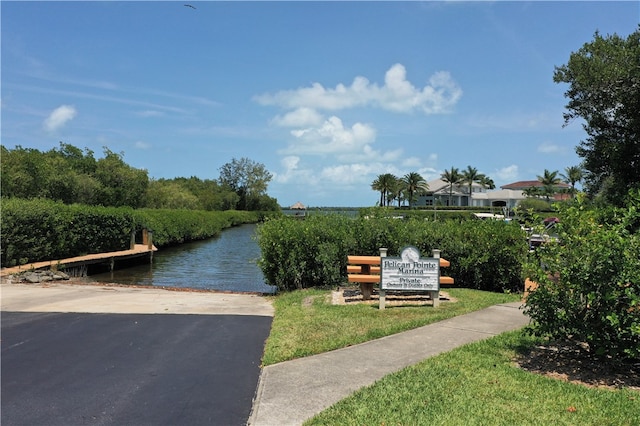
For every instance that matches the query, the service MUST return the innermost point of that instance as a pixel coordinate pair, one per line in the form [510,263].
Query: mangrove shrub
[486,255]
[589,280]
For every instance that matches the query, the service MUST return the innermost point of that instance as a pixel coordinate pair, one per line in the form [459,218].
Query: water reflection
[228,263]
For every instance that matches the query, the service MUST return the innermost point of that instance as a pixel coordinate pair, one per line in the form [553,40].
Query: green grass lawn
[479,384]
[307,323]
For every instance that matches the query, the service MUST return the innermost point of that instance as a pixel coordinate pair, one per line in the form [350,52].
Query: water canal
[226,263]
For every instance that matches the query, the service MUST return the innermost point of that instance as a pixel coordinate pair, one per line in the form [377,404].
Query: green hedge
[172,227]
[486,255]
[40,230]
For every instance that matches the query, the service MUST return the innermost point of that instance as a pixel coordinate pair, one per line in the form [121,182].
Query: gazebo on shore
[300,209]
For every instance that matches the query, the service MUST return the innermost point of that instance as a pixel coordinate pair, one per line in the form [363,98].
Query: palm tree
[384,183]
[399,191]
[413,183]
[387,183]
[471,176]
[486,182]
[549,180]
[573,175]
[532,192]
[376,185]
[452,177]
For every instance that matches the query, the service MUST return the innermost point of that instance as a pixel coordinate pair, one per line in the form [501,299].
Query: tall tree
[471,176]
[387,184]
[399,191]
[413,183]
[248,179]
[377,186]
[452,177]
[122,184]
[604,91]
[549,180]
[572,175]
[384,183]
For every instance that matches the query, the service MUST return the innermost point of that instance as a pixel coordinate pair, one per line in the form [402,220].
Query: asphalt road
[134,369]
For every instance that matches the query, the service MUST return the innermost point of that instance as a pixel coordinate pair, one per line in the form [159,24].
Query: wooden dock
[137,250]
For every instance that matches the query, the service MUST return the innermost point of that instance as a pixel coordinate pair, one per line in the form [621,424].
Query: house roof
[439,186]
[298,206]
[526,184]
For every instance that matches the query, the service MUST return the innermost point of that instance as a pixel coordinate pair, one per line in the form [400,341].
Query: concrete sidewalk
[291,392]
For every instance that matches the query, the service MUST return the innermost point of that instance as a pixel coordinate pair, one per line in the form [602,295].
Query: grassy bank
[307,323]
[479,384]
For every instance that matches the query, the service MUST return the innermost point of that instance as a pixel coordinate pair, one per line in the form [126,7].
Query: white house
[480,196]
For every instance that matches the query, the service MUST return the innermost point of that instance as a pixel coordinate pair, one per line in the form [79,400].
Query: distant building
[439,194]
[507,196]
[562,190]
[523,185]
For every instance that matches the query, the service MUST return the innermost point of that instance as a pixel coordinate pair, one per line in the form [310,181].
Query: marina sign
[410,272]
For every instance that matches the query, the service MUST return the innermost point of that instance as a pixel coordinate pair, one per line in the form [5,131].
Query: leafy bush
[589,281]
[535,204]
[39,230]
[486,255]
[172,227]
[305,253]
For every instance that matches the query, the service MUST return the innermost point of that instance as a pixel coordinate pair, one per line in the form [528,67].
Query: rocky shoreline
[34,277]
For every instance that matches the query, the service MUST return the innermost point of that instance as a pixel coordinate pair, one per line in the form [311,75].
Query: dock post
[382,295]
[435,295]
[150,245]
[132,244]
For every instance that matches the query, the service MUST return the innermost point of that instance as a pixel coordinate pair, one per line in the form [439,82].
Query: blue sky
[327,95]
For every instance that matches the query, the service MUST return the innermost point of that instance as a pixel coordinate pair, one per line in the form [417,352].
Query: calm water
[227,263]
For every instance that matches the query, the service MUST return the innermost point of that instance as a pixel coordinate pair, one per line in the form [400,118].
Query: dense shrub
[39,230]
[485,255]
[589,281]
[172,227]
[304,253]
[535,204]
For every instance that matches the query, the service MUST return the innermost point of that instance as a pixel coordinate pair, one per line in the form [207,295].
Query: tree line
[72,175]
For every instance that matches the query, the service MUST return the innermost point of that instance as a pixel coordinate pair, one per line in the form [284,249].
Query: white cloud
[347,174]
[59,117]
[427,165]
[549,148]
[300,117]
[508,173]
[293,173]
[142,145]
[332,137]
[355,160]
[397,94]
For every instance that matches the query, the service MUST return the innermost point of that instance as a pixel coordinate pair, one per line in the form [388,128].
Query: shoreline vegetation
[42,230]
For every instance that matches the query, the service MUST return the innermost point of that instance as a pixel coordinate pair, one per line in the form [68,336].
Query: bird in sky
[191,6]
